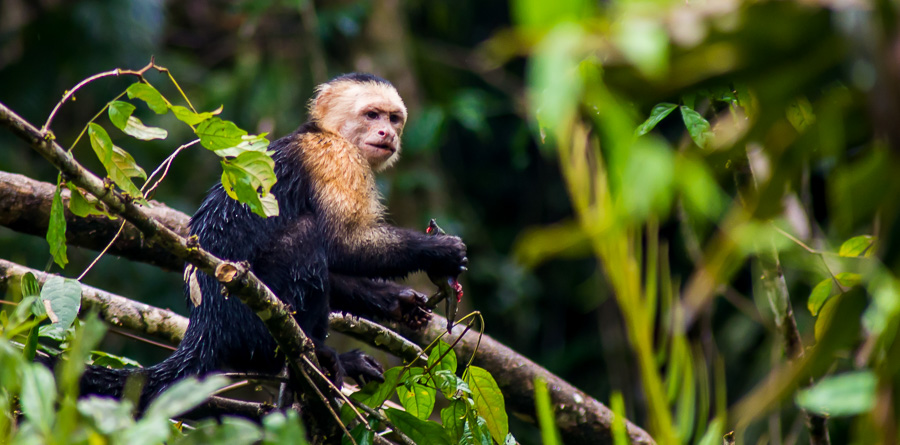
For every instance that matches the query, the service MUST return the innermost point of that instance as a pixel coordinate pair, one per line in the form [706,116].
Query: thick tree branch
[239,281]
[582,419]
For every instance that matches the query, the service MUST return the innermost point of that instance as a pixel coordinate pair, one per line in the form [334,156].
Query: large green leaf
[62,300]
[56,229]
[420,431]
[84,204]
[453,417]
[218,134]
[659,112]
[135,128]
[119,112]
[840,395]
[282,428]
[488,401]
[149,95]
[38,396]
[105,414]
[823,291]
[417,398]
[442,357]
[248,178]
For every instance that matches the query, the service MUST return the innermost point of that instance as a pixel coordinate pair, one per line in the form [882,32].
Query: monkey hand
[450,258]
[361,367]
[410,309]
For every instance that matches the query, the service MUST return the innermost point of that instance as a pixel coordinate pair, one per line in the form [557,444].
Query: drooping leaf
[453,417]
[697,126]
[420,431]
[442,357]
[249,142]
[119,112]
[184,396]
[120,166]
[858,245]
[546,417]
[450,384]
[56,229]
[105,414]
[189,117]
[83,205]
[38,396]
[819,295]
[135,128]
[100,358]
[62,299]
[418,399]
[249,177]
[149,95]
[840,395]
[659,112]
[800,114]
[488,401]
[475,431]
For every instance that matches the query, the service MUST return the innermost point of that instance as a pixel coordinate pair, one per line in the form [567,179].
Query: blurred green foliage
[652,192]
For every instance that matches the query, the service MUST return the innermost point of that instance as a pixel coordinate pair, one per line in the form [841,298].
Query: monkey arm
[390,252]
[378,299]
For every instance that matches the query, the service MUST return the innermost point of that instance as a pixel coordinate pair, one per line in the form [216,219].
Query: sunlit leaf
[420,431]
[840,395]
[565,239]
[619,429]
[83,205]
[645,43]
[218,134]
[120,166]
[555,84]
[545,414]
[56,229]
[659,112]
[858,245]
[542,14]
[149,95]
[249,142]
[100,358]
[697,126]
[488,401]
[119,112]
[281,428]
[443,356]
[135,128]
[189,117]
[819,295]
[648,190]
[416,398]
[62,300]
[249,177]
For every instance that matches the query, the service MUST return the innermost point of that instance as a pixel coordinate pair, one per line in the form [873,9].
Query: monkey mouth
[385,147]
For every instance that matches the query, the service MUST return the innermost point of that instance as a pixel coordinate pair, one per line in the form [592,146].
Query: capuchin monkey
[329,249]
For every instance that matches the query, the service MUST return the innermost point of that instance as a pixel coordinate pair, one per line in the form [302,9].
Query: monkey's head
[366,110]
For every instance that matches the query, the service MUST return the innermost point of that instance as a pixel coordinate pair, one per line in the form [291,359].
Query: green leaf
[819,296]
[448,362]
[619,429]
[546,417]
[659,112]
[120,166]
[84,204]
[453,417]
[231,431]
[31,343]
[135,128]
[248,178]
[418,399]
[38,396]
[149,95]
[100,358]
[217,134]
[184,396]
[119,112]
[420,431]
[62,299]
[475,430]
[450,384]
[249,142]
[840,395]
[858,245]
[56,229]
[282,428]
[105,414]
[644,42]
[30,286]
[488,401]
[189,117]
[697,126]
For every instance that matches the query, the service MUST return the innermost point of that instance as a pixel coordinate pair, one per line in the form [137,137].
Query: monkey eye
[395,119]
[371,115]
